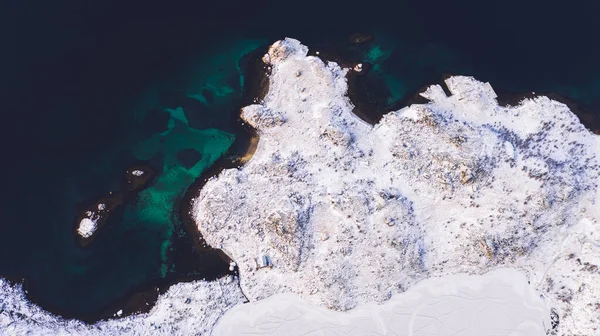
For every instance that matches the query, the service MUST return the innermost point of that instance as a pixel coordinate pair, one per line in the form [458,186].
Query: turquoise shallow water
[179,126]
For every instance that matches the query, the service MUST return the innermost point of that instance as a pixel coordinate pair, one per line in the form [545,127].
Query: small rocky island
[343,213]
[94,216]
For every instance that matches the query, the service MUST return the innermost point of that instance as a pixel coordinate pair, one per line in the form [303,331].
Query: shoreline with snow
[350,214]
[347,213]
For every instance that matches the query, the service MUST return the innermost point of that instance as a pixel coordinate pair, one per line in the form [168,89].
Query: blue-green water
[95,87]
[194,110]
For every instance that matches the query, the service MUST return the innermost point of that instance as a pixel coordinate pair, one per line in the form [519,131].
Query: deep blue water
[89,87]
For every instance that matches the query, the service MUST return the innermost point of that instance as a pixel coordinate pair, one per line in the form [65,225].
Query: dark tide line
[369,93]
[362,91]
[115,203]
[188,246]
[134,300]
[142,300]
[256,87]
[589,116]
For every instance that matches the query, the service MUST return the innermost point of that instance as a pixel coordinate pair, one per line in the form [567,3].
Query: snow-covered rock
[349,213]
[87,227]
[137,172]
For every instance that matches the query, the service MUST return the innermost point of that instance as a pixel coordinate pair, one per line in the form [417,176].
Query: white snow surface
[137,172]
[87,227]
[350,213]
[497,303]
[170,316]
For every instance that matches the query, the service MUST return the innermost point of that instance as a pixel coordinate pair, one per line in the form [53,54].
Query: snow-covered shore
[349,213]
[190,308]
[343,213]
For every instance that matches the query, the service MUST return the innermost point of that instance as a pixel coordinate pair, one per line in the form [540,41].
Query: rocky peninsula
[343,213]
[348,213]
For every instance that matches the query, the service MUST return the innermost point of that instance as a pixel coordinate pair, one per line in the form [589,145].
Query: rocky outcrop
[350,213]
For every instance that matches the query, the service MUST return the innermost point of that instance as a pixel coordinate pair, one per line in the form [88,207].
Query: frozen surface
[344,214]
[497,303]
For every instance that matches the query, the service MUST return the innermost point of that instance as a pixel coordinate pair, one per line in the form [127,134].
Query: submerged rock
[359,38]
[189,157]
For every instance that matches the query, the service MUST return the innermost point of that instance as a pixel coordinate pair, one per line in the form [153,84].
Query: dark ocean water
[91,88]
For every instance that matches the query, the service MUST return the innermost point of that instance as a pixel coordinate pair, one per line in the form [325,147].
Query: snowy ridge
[349,213]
